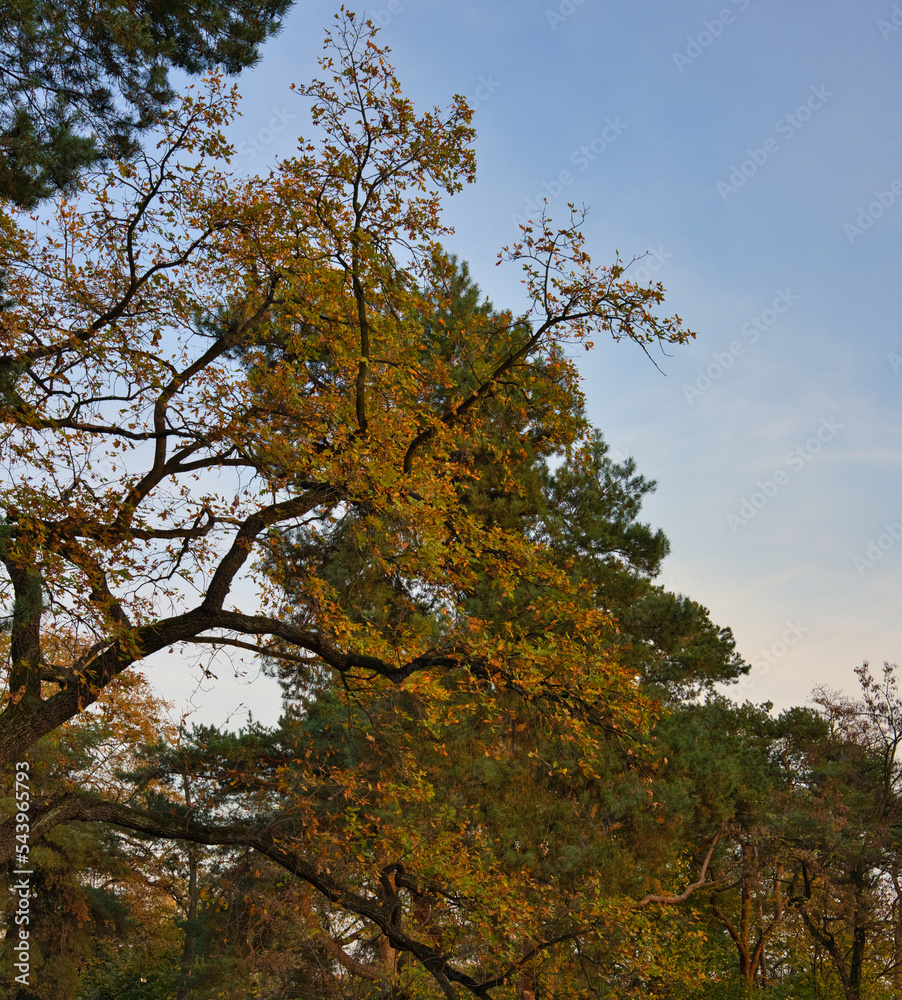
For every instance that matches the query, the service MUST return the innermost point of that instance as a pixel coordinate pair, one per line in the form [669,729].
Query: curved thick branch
[175,827]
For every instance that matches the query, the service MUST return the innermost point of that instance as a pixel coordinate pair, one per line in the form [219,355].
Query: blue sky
[753,148]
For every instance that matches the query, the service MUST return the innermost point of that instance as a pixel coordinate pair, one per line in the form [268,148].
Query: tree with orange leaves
[192,365]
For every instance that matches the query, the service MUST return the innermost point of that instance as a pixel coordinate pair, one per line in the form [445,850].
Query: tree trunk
[189,951]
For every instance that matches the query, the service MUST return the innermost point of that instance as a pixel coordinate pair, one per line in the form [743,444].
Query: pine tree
[80,82]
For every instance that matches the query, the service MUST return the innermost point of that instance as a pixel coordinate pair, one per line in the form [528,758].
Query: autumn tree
[191,366]
[845,884]
[81,82]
